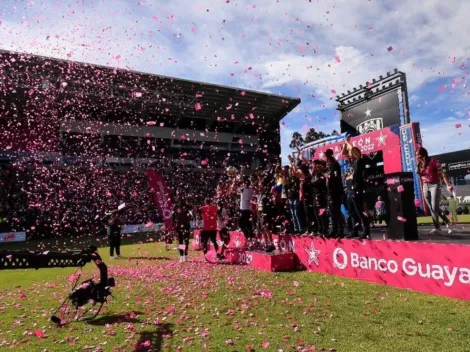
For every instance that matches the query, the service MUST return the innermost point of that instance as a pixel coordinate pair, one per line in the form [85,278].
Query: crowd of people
[305,198]
[47,200]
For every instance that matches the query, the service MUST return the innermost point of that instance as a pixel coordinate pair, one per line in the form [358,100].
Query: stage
[434,264]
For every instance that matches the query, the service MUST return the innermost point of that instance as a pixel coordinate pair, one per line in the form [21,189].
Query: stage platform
[277,261]
[436,264]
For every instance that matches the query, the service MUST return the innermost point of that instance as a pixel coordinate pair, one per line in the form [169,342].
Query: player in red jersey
[209,228]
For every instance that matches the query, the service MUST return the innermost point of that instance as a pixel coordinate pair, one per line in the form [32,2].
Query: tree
[297,141]
[312,135]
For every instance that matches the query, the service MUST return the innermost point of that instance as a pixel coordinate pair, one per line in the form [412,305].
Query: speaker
[403,224]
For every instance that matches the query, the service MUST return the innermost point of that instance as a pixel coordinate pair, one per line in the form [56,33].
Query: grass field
[161,305]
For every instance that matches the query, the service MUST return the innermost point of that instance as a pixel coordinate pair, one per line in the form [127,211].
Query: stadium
[76,139]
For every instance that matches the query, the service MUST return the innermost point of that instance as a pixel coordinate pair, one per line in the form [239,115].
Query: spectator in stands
[432,174]
[4,227]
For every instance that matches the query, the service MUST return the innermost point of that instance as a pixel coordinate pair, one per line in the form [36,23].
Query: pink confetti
[72,278]
[151,123]
[333,91]
[296,283]
[242,93]
[39,334]
[321,211]
[400,188]
[229,342]
[458,125]
[337,59]
[117,57]
[390,48]
[149,224]
[198,106]
[265,344]
[402,219]
[155,18]
[204,162]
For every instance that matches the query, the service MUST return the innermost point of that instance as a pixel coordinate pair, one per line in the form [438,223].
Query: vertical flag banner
[410,140]
[161,196]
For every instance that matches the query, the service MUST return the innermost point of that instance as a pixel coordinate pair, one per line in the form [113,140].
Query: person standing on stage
[334,183]
[320,193]
[222,218]
[209,227]
[182,222]
[114,235]
[246,199]
[355,192]
[431,173]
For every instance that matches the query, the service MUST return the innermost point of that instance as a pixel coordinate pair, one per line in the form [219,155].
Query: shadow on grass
[147,258]
[154,340]
[114,319]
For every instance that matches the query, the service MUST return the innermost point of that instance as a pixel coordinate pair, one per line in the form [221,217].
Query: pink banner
[386,140]
[440,269]
[161,196]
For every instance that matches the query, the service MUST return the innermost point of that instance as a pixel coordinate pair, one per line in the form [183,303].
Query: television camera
[80,302]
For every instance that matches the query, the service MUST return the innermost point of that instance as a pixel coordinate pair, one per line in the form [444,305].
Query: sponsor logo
[283,245]
[313,254]
[447,274]
[459,165]
[370,125]
[10,237]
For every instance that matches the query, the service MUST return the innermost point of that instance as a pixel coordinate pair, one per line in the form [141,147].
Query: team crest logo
[370,125]
[313,254]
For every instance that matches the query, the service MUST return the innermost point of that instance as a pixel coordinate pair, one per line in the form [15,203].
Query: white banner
[141,228]
[12,237]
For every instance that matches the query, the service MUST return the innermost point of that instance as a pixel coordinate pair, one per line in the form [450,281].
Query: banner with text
[441,269]
[386,140]
[161,196]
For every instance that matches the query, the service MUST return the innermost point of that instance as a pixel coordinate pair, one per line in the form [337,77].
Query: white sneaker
[435,232]
[185,259]
[450,229]
[181,259]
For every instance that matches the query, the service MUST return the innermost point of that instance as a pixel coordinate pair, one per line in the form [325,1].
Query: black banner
[372,115]
[455,163]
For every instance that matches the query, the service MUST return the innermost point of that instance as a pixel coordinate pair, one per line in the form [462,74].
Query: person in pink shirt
[431,173]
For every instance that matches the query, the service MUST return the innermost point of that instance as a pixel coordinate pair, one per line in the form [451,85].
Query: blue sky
[291,46]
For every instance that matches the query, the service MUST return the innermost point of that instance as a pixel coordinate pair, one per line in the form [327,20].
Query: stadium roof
[143,93]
